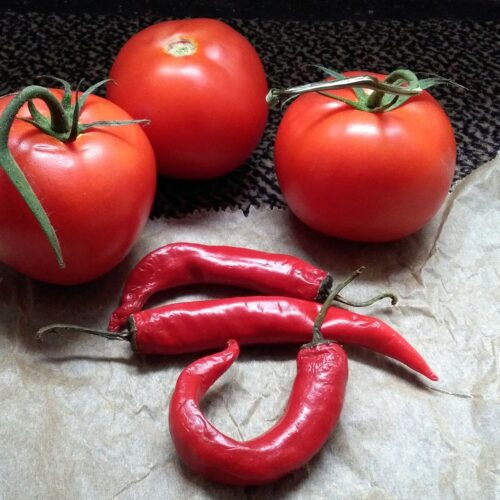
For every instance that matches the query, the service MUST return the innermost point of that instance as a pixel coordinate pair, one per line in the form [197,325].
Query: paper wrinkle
[83,417]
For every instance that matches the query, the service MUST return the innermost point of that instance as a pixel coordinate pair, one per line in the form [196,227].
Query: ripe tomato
[360,175]
[97,192]
[203,87]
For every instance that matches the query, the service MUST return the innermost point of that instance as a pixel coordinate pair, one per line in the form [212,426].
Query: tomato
[360,175]
[203,87]
[97,192]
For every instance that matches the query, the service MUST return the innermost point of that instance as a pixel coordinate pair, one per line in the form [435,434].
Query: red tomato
[364,176]
[97,192]
[203,87]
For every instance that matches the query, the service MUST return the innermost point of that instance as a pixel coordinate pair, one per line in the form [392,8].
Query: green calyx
[62,124]
[397,87]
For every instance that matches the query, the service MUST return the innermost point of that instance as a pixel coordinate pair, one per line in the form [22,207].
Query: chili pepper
[311,414]
[202,325]
[190,263]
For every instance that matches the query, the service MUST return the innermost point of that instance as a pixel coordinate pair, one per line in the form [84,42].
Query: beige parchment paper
[86,418]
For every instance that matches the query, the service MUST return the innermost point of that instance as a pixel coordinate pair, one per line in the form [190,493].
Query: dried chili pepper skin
[311,414]
[202,325]
[180,264]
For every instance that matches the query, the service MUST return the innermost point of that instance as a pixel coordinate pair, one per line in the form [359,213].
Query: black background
[456,38]
[277,9]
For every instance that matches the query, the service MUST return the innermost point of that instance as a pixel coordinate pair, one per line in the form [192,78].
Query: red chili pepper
[180,264]
[201,325]
[311,414]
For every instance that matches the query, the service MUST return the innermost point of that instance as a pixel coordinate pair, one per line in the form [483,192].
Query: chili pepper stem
[324,289]
[317,336]
[369,302]
[58,328]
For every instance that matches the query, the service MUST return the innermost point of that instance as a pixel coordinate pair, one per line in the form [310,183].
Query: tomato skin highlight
[97,191]
[364,176]
[207,108]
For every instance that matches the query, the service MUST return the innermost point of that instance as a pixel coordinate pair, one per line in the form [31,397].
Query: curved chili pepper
[179,264]
[201,325]
[311,414]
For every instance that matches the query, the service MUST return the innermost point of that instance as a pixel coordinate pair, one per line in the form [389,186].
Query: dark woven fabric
[84,46]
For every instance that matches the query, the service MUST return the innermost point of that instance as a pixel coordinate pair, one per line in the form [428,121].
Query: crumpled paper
[83,417]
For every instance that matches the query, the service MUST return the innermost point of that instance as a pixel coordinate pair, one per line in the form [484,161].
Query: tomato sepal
[388,94]
[63,125]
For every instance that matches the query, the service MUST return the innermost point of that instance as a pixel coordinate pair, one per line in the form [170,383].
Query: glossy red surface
[207,108]
[200,325]
[364,176]
[189,263]
[311,414]
[97,192]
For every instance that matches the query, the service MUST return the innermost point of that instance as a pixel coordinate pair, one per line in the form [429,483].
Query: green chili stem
[369,302]
[317,336]
[58,328]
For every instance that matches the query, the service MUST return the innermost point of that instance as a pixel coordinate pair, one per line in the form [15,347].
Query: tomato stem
[389,94]
[60,125]
[64,126]
[279,97]
[397,77]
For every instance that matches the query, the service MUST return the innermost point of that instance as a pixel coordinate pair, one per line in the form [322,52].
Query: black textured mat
[84,46]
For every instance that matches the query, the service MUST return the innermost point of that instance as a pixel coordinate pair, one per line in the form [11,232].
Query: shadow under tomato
[37,304]
[386,259]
